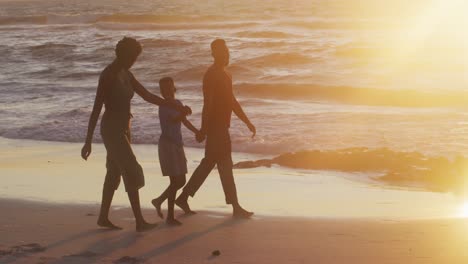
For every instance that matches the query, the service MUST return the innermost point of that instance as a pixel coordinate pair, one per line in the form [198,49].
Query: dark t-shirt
[170,129]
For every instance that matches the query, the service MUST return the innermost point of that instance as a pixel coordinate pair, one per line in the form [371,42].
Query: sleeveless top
[117,101]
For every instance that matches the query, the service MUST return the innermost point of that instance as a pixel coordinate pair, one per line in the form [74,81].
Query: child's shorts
[172,158]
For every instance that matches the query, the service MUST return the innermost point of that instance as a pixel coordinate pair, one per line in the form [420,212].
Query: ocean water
[311,74]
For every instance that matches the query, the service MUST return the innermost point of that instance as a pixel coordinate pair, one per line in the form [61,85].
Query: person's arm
[103,86]
[154,99]
[190,126]
[237,109]
[145,94]
[186,123]
[183,119]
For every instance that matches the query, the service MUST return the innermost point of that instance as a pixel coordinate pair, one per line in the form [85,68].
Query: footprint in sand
[84,254]
[45,260]
[21,250]
[128,260]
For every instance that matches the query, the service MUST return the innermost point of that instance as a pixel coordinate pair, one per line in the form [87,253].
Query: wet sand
[61,233]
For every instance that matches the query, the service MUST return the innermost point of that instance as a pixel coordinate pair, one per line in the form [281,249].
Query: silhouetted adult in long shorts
[219,103]
[116,88]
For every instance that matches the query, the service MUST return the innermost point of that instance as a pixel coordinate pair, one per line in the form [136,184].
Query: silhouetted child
[171,150]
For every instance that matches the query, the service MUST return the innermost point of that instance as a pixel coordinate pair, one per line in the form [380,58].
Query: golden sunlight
[435,32]
[339,127]
[463,213]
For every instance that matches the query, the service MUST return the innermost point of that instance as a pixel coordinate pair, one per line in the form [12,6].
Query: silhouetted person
[171,149]
[116,88]
[219,103]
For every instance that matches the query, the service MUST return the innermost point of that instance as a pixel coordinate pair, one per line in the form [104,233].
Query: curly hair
[128,47]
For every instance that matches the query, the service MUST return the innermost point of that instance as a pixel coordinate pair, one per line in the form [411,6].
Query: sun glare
[433,39]
[437,25]
[463,213]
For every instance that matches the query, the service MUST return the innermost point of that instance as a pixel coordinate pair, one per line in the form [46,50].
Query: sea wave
[115,19]
[150,19]
[359,50]
[196,73]
[277,60]
[53,51]
[51,45]
[409,169]
[174,26]
[341,24]
[158,43]
[354,95]
[71,114]
[13,20]
[264,34]
[81,75]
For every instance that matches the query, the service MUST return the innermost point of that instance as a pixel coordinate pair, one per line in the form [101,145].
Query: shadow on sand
[114,240]
[190,237]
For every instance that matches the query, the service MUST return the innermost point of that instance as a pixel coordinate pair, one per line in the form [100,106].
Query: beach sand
[50,199]
[68,234]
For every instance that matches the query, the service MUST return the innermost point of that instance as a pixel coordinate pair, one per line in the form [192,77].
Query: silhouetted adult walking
[116,88]
[219,103]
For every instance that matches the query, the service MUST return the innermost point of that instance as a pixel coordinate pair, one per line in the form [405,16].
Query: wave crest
[131,21]
[355,95]
[409,169]
[157,43]
[264,34]
[277,60]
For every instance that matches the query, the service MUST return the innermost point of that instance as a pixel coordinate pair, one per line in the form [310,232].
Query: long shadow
[174,244]
[95,252]
[11,259]
[79,236]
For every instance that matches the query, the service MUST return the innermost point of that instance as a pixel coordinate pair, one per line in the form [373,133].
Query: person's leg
[177,182]
[141,224]
[103,220]
[133,177]
[164,161]
[229,187]
[198,178]
[111,183]
[157,202]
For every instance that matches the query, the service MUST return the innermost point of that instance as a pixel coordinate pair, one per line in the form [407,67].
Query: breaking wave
[130,21]
[411,169]
[277,60]
[355,95]
[264,34]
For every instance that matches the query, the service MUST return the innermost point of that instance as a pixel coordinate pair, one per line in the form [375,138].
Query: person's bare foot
[157,204]
[183,204]
[142,227]
[106,223]
[173,222]
[241,213]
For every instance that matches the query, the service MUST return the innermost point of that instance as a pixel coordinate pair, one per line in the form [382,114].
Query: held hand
[86,151]
[200,137]
[252,129]
[187,110]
